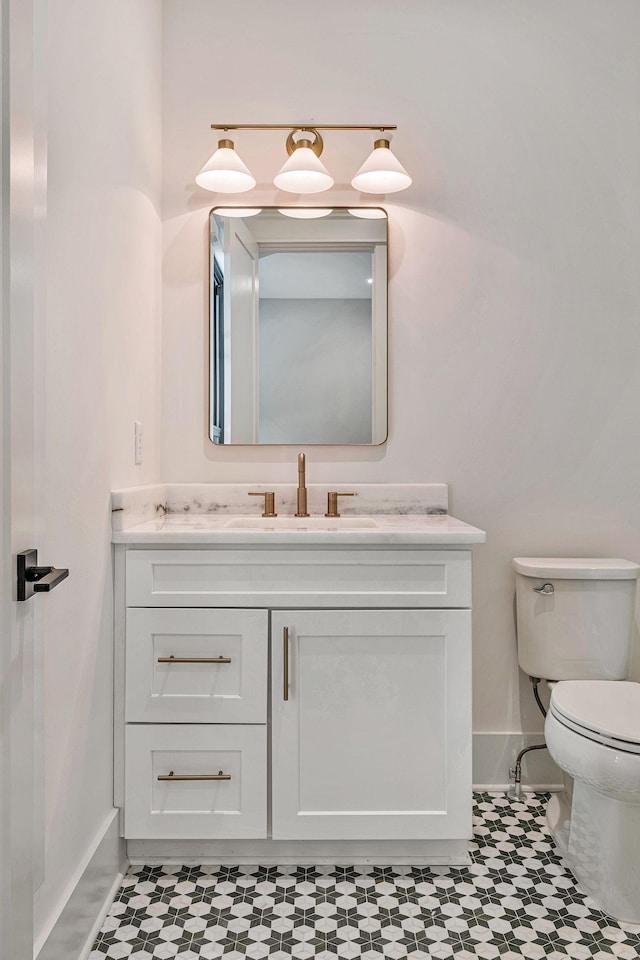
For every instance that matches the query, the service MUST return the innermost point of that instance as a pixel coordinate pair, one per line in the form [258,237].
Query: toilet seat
[607,711]
[609,767]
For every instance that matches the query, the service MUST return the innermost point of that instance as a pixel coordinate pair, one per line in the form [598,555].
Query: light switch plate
[138,441]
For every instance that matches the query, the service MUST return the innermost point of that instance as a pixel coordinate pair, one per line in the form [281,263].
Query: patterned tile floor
[515,900]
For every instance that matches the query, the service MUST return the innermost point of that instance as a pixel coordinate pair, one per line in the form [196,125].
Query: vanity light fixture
[225,172]
[381,172]
[304,172]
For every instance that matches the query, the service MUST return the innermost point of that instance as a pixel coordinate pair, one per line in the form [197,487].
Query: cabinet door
[374,740]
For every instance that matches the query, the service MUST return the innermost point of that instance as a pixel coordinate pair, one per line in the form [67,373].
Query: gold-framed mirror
[298,325]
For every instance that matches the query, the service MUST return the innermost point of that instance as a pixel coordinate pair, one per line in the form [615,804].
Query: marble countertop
[227,530]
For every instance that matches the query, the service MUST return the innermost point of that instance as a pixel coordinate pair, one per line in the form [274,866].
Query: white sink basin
[302,523]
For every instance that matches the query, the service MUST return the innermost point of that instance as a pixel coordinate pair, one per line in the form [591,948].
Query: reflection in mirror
[298,327]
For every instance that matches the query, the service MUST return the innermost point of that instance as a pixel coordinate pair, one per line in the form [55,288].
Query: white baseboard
[495,753]
[279,852]
[72,929]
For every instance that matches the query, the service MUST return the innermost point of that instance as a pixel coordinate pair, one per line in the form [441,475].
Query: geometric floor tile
[514,900]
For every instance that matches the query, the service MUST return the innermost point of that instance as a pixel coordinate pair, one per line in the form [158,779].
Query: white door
[371,724]
[241,334]
[20,824]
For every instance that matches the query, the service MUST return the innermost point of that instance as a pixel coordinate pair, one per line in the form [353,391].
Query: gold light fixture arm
[303,126]
[316,145]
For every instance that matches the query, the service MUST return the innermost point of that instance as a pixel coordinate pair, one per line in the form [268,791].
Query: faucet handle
[332,502]
[269,502]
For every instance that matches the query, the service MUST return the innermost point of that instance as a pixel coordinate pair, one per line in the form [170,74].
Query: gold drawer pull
[196,776]
[173,659]
[285,657]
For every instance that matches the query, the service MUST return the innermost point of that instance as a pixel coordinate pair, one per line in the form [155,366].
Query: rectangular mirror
[298,326]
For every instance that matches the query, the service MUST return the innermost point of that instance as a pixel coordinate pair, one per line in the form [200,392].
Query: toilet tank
[579,627]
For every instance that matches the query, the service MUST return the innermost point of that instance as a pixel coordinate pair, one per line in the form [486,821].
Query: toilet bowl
[574,629]
[593,734]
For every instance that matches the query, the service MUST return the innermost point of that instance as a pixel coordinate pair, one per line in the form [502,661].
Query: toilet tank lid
[577,568]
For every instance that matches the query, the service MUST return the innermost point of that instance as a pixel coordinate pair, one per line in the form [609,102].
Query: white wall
[513,296]
[101,368]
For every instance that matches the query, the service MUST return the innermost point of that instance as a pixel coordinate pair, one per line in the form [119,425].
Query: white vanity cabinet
[287,695]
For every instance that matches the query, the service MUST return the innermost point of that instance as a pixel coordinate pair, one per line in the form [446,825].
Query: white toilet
[575,621]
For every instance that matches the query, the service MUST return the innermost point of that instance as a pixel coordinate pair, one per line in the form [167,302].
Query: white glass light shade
[238,211]
[367,213]
[305,213]
[224,172]
[303,173]
[381,172]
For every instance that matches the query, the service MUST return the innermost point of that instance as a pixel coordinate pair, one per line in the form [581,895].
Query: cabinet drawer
[160,688]
[195,808]
[299,578]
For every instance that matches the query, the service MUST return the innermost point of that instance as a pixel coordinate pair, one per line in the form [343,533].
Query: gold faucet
[302,490]
[332,502]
